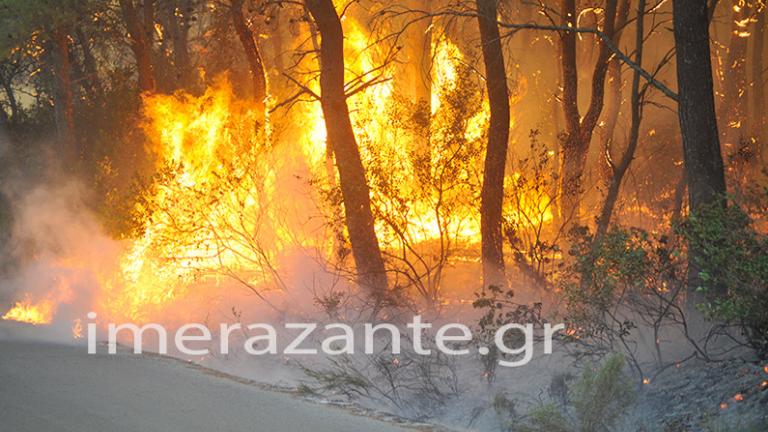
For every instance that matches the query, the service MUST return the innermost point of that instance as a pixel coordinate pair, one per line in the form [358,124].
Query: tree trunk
[341,138]
[6,146]
[64,99]
[80,80]
[90,73]
[698,122]
[416,76]
[418,46]
[620,170]
[253,56]
[492,193]
[276,26]
[13,104]
[678,200]
[178,20]
[571,147]
[597,97]
[3,122]
[732,109]
[613,107]
[758,89]
[579,131]
[148,25]
[148,11]
[703,161]
[141,47]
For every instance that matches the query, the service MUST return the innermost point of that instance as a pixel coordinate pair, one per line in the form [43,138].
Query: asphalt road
[47,387]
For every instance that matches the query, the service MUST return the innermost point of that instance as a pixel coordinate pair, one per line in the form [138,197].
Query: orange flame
[220,205]
[35,313]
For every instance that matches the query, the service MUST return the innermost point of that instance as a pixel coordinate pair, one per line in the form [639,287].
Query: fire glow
[219,206]
[29,312]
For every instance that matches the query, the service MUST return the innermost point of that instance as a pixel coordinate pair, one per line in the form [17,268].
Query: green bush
[627,279]
[499,309]
[546,418]
[601,274]
[732,259]
[602,396]
[598,401]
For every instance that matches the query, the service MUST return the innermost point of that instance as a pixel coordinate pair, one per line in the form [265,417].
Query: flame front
[207,210]
[27,311]
[230,200]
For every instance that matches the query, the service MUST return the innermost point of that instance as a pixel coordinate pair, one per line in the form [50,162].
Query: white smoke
[55,251]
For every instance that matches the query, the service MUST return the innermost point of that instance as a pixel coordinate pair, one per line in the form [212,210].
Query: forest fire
[203,143]
[600,165]
[215,209]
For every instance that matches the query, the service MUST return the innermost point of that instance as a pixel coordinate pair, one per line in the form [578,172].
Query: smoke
[55,250]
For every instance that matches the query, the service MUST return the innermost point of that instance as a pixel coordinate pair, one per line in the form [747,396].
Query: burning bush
[212,209]
[426,207]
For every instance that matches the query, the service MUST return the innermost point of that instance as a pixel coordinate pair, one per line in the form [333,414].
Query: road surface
[46,387]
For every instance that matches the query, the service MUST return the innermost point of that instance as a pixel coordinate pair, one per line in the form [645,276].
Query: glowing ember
[32,313]
[738,397]
[646,381]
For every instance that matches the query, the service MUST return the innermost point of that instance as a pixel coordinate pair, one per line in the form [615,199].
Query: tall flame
[227,199]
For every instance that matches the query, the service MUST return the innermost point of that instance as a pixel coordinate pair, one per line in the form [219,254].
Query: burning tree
[343,144]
